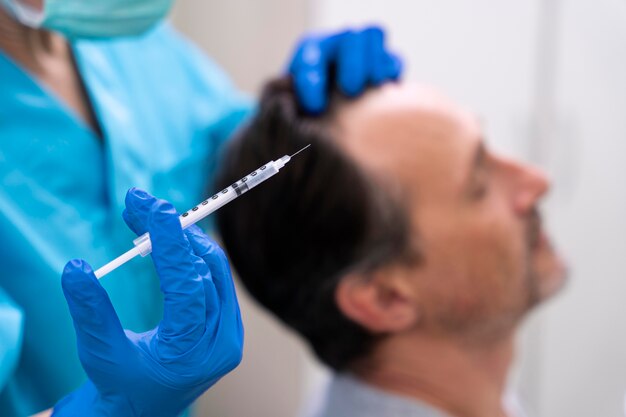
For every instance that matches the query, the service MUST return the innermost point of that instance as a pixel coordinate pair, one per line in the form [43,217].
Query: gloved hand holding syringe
[143,245]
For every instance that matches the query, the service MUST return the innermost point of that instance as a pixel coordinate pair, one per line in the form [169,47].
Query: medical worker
[97,97]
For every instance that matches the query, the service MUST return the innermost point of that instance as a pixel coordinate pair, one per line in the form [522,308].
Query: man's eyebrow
[477,163]
[480,155]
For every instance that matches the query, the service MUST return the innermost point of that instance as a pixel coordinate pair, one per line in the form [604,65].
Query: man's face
[486,259]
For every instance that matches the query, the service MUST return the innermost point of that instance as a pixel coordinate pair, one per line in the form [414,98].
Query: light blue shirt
[164,110]
[347,396]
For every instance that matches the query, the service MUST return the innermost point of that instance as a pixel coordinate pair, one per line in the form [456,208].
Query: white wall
[584,340]
[251,39]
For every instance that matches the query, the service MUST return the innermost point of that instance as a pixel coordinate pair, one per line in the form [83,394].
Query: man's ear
[379,303]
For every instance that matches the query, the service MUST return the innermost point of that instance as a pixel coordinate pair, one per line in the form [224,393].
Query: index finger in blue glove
[217,260]
[137,201]
[309,69]
[230,329]
[183,321]
[212,300]
[352,65]
[375,55]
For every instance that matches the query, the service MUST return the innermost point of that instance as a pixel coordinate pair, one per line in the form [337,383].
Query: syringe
[143,245]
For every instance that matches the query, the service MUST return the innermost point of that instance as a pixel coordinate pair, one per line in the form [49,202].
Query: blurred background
[549,79]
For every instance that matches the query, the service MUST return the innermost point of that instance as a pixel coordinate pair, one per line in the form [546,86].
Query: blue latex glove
[200,339]
[359,59]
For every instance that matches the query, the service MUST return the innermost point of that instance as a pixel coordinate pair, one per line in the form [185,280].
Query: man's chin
[550,274]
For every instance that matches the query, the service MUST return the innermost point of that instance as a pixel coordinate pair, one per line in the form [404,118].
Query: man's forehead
[405,98]
[408,126]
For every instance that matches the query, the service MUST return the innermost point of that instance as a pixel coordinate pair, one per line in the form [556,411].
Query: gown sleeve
[11,327]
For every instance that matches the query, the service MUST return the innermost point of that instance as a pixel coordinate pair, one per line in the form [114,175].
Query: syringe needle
[303,149]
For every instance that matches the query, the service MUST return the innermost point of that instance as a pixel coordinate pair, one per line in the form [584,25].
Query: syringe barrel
[256,177]
[215,202]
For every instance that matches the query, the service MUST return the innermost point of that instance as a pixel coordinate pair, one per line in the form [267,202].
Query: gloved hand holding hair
[359,58]
[200,338]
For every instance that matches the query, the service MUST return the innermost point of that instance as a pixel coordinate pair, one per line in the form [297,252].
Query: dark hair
[293,238]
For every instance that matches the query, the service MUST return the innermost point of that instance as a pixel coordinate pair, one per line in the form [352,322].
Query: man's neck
[461,379]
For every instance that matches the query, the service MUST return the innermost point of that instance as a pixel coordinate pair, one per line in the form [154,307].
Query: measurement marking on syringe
[143,245]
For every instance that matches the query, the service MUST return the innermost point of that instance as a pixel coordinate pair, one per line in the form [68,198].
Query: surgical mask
[92,18]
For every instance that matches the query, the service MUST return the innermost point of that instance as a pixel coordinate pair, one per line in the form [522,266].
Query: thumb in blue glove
[358,58]
[200,338]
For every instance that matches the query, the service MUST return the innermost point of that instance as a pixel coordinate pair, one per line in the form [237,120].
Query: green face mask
[92,18]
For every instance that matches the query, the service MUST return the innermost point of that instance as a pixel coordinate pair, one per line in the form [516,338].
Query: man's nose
[531,185]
